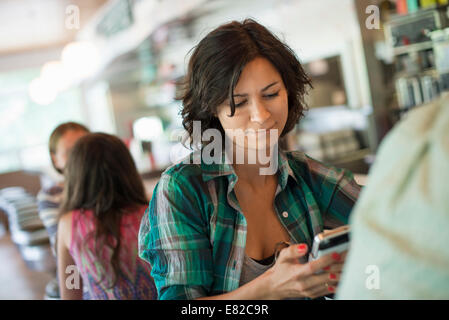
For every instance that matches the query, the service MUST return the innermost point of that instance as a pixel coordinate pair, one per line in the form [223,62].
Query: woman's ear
[53,157]
[54,161]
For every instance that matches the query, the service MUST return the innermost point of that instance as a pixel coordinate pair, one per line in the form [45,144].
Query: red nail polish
[327,268]
[331,289]
[335,256]
[332,276]
[302,247]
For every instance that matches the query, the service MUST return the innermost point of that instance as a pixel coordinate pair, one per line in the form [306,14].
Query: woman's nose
[259,112]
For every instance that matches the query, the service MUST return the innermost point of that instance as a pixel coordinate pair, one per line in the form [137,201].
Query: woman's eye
[240,104]
[272,95]
[269,96]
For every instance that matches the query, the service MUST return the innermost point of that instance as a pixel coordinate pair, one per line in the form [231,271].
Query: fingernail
[302,247]
[331,289]
[327,268]
[335,256]
[332,276]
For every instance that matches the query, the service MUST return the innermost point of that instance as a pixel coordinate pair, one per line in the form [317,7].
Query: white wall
[29,23]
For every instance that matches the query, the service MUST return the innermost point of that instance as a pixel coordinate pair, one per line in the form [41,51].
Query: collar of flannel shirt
[225,168]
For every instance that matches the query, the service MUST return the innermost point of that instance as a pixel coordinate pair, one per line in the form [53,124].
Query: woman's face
[64,146]
[261,103]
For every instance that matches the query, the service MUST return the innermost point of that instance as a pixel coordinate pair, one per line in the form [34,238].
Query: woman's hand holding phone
[290,279]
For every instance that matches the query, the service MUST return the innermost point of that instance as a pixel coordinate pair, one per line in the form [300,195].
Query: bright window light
[147,128]
[80,59]
[42,92]
[55,74]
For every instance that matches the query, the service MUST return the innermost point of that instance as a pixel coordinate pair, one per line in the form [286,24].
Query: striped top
[251,268]
[49,201]
[135,281]
[196,243]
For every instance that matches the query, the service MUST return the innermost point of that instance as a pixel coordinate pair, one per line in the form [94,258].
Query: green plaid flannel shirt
[194,232]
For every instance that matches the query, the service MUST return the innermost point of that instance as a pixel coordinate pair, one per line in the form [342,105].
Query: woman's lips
[258,131]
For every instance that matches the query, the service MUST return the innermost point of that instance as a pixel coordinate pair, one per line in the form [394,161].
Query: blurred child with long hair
[104,201]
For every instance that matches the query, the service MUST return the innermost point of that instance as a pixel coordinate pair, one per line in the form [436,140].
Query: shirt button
[285,214]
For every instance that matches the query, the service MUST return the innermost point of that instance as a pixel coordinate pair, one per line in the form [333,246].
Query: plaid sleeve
[336,192]
[340,192]
[174,240]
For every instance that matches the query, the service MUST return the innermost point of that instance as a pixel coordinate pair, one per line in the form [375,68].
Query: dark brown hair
[57,133]
[215,67]
[101,176]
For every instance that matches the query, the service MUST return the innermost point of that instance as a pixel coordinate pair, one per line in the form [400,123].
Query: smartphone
[329,241]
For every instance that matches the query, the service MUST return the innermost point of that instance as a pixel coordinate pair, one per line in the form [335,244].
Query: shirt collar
[284,169]
[214,170]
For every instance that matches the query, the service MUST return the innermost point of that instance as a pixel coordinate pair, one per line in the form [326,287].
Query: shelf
[426,72]
[398,19]
[353,156]
[413,85]
[413,47]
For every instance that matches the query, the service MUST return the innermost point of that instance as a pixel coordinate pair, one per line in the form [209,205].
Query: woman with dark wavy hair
[104,201]
[215,226]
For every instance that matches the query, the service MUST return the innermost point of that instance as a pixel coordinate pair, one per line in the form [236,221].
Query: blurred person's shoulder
[52,184]
[53,192]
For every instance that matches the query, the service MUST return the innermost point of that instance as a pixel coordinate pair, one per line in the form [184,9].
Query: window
[25,126]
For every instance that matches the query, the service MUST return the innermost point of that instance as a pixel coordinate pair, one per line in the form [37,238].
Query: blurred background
[113,66]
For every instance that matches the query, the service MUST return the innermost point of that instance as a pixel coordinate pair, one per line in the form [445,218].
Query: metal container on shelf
[430,88]
[440,39]
[411,32]
[420,59]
